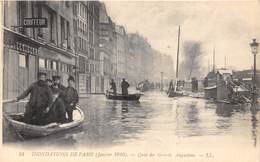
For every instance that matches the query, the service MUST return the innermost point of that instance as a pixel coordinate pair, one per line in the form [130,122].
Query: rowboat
[33,131]
[129,97]
[173,93]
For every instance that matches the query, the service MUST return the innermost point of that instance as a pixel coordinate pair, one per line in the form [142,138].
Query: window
[52,24]
[39,14]
[47,64]
[54,65]
[92,68]
[21,14]
[92,53]
[23,61]
[41,63]
[87,66]
[62,20]
[68,34]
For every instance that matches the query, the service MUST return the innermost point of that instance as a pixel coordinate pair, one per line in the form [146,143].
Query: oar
[9,101]
[13,101]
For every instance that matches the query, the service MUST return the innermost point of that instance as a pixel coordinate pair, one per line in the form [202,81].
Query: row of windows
[83,27]
[53,65]
[83,10]
[94,68]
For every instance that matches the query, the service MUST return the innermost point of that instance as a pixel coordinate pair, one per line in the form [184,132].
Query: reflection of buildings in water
[227,110]
[254,123]
[187,121]
[224,112]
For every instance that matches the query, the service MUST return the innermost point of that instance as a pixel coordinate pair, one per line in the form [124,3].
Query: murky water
[162,123]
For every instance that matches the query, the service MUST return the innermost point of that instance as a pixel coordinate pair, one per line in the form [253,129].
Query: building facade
[107,48]
[81,41]
[30,50]
[121,52]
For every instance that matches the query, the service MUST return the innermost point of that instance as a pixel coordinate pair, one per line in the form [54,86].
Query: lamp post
[161,81]
[254,48]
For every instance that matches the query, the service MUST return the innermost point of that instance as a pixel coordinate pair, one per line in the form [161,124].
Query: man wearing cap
[71,98]
[40,99]
[57,85]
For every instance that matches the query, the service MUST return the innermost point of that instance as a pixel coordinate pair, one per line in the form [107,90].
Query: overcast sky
[229,26]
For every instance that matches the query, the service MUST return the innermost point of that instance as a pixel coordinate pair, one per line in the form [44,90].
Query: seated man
[57,111]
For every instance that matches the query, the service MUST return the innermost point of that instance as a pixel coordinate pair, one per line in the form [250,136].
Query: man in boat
[124,86]
[49,82]
[113,86]
[170,87]
[71,98]
[57,111]
[206,82]
[40,99]
[57,85]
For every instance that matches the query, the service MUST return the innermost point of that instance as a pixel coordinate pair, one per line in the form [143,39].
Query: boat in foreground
[33,131]
[129,97]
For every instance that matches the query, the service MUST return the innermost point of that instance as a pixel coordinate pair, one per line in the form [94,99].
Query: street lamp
[254,48]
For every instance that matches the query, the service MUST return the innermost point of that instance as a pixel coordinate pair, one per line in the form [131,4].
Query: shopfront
[19,63]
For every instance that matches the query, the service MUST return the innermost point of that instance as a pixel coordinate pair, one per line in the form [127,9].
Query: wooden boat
[32,131]
[173,93]
[130,97]
[210,92]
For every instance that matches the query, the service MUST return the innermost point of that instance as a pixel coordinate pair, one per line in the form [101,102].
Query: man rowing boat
[40,99]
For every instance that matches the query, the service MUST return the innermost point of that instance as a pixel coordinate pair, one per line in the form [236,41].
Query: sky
[229,26]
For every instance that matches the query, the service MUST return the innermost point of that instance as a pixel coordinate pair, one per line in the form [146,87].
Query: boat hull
[34,131]
[130,97]
[172,94]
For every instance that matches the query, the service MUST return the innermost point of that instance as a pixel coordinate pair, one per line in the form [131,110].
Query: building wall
[30,50]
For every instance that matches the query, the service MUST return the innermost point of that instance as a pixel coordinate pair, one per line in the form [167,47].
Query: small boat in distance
[129,97]
[33,131]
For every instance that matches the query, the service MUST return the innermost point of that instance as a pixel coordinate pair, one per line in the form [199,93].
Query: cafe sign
[35,22]
[17,43]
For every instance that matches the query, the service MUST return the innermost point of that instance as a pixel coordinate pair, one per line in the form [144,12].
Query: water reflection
[254,111]
[109,123]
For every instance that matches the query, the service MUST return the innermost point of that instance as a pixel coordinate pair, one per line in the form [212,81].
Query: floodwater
[181,125]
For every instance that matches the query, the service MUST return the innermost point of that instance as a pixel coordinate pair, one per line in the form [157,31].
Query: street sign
[35,22]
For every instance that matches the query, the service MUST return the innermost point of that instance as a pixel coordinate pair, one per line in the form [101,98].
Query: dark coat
[61,89]
[40,99]
[124,86]
[40,95]
[71,97]
[113,87]
[57,112]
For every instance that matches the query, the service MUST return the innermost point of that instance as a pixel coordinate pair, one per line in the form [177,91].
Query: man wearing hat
[57,85]
[40,99]
[71,98]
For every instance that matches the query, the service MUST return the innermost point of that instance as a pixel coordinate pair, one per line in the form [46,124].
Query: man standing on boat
[124,86]
[113,86]
[71,98]
[40,99]
[170,87]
